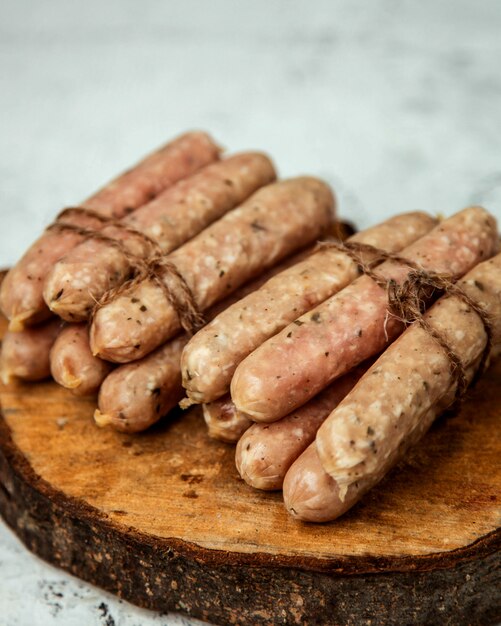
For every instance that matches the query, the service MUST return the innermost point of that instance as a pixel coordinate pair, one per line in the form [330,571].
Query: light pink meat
[212,355]
[21,298]
[25,355]
[266,451]
[136,395]
[176,215]
[72,363]
[224,422]
[311,495]
[396,401]
[353,325]
[272,223]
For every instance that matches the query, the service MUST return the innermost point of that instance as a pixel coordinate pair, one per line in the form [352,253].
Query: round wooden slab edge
[169,574]
[228,587]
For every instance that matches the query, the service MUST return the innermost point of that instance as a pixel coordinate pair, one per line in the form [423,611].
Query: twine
[176,290]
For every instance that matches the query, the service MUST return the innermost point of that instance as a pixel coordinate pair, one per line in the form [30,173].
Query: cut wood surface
[163,519]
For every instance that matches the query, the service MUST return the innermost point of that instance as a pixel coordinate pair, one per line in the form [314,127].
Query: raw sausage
[275,221]
[349,327]
[138,394]
[72,364]
[25,354]
[311,495]
[212,355]
[78,280]
[224,422]
[396,401]
[21,297]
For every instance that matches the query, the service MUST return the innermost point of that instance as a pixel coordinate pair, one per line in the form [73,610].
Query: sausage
[21,298]
[311,495]
[212,355]
[266,451]
[288,369]
[224,422]
[72,364]
[271,224]
[136,395]
[25,354]
[396,401]
[79,279]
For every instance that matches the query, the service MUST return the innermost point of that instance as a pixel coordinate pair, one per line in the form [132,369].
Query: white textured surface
[33,593]
[396,103]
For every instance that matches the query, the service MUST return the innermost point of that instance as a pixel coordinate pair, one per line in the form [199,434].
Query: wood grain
[163,520]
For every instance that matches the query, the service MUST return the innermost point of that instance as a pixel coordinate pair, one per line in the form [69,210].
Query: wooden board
[163,520]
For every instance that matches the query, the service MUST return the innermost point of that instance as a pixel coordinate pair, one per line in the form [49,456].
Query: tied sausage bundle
[197,275]
[106,299]
[291,373]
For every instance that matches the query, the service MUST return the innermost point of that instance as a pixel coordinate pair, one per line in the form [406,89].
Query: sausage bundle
[185,234]
[21,298]
[396,401]
[176,215]
[267,453]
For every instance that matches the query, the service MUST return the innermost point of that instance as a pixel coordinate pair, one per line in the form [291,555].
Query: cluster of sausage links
[309,411]
[320,352]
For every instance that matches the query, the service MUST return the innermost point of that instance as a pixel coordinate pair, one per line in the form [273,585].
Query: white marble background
[396,103]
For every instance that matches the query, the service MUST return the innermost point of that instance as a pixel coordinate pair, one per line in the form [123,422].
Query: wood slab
[163,520]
